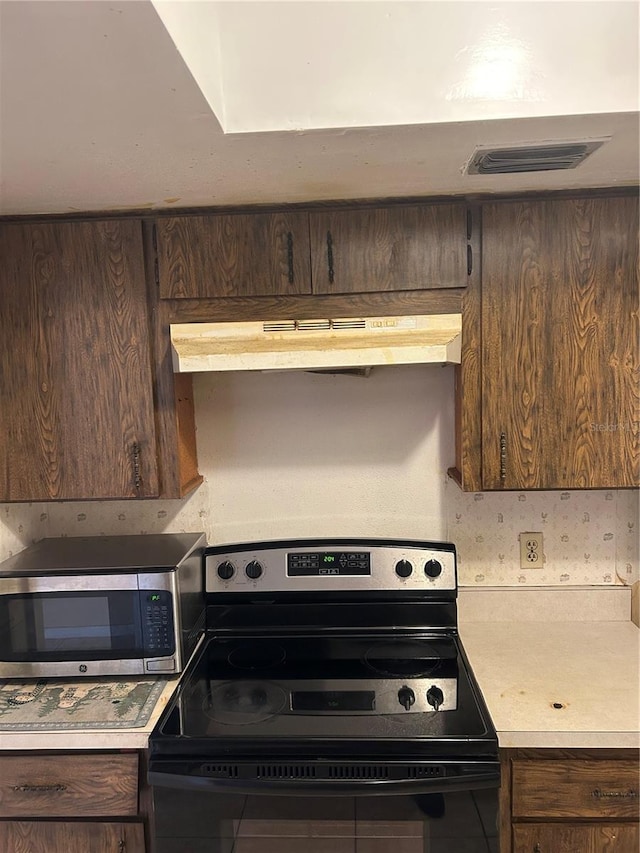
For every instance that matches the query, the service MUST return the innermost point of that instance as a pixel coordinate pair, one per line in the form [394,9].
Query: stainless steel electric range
[330,707]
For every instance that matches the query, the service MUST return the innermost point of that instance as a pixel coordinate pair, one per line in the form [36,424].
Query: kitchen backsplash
[302,455]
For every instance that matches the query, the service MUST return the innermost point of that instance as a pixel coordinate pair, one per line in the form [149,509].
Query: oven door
[455,815]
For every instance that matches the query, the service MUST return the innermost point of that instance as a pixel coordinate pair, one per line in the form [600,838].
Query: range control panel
[325,565]
[337,696]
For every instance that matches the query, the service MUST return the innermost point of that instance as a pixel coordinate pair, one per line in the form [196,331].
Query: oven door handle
[484,777]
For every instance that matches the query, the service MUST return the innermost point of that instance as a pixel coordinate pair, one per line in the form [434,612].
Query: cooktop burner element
[406,658]
[243,703]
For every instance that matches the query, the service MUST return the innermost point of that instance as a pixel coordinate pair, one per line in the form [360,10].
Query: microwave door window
[70,624]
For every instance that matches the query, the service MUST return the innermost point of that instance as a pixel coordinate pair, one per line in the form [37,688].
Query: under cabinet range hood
[342,343]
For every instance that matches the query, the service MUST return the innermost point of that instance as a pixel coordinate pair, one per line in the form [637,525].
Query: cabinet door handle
[599,794]
[290,256]
[37,789]
[503,457]
[122,846]
[469,259]
[537,848]
[330,256]
[135,454]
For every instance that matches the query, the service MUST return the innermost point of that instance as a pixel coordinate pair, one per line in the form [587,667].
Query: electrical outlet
[531,553]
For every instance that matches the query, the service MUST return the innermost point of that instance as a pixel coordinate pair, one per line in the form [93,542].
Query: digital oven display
[314,563]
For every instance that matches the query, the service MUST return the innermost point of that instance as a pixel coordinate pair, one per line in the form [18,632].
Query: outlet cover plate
[531,550]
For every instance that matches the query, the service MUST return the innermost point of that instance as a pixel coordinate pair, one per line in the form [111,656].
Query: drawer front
[574,788]
[60,837]
[68,785]
[572,838]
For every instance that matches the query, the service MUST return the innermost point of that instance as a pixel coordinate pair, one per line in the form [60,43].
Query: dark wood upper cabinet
[258,254]
[392,248]
[75,363]
[76,373]
[559,330]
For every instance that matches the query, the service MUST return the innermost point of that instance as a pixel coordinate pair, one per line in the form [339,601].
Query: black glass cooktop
[326,694]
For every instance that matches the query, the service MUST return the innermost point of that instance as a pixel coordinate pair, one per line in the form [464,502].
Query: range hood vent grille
[531,158]
[338,343]
[279,326]
[314,325]
[349,323]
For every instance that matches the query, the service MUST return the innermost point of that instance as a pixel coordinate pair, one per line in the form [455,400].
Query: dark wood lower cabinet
[76,802]
[71,837]
[575,838]
[570,801]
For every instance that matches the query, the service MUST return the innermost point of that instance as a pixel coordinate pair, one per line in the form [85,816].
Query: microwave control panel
[157,622]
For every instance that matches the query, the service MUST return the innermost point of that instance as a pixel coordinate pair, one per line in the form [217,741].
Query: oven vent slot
[286,771]
[222,771]
[425,772]
[338,772]
[367,771]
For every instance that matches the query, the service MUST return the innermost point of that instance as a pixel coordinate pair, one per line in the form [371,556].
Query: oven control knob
[432,568]
[226,570]
[435,697]
[254,569]
[403,568]
[406,697]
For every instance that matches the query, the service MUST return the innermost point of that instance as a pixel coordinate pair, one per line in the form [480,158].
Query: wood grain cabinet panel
[575,838]
[560,344]
[569,801]
[76,384]
[259,254]
[73,803]
[101,785]
[395,248]
[565,789]
[71,837]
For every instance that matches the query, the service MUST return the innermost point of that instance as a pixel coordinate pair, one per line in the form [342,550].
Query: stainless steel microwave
[102,605]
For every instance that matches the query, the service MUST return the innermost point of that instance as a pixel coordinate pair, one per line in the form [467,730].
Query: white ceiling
[99,111]
[306,65]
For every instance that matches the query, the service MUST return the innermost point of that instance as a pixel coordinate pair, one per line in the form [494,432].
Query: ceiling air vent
[531,158]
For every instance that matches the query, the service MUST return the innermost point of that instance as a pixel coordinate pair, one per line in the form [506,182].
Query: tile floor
[197,822]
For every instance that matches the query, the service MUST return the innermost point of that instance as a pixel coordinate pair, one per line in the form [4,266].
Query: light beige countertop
[533,651]
[529,648]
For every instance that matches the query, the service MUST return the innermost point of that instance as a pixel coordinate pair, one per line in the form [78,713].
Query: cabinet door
[259,254]
[76,390]
[413,247]
[575,838]
[71,837]
[560,363]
